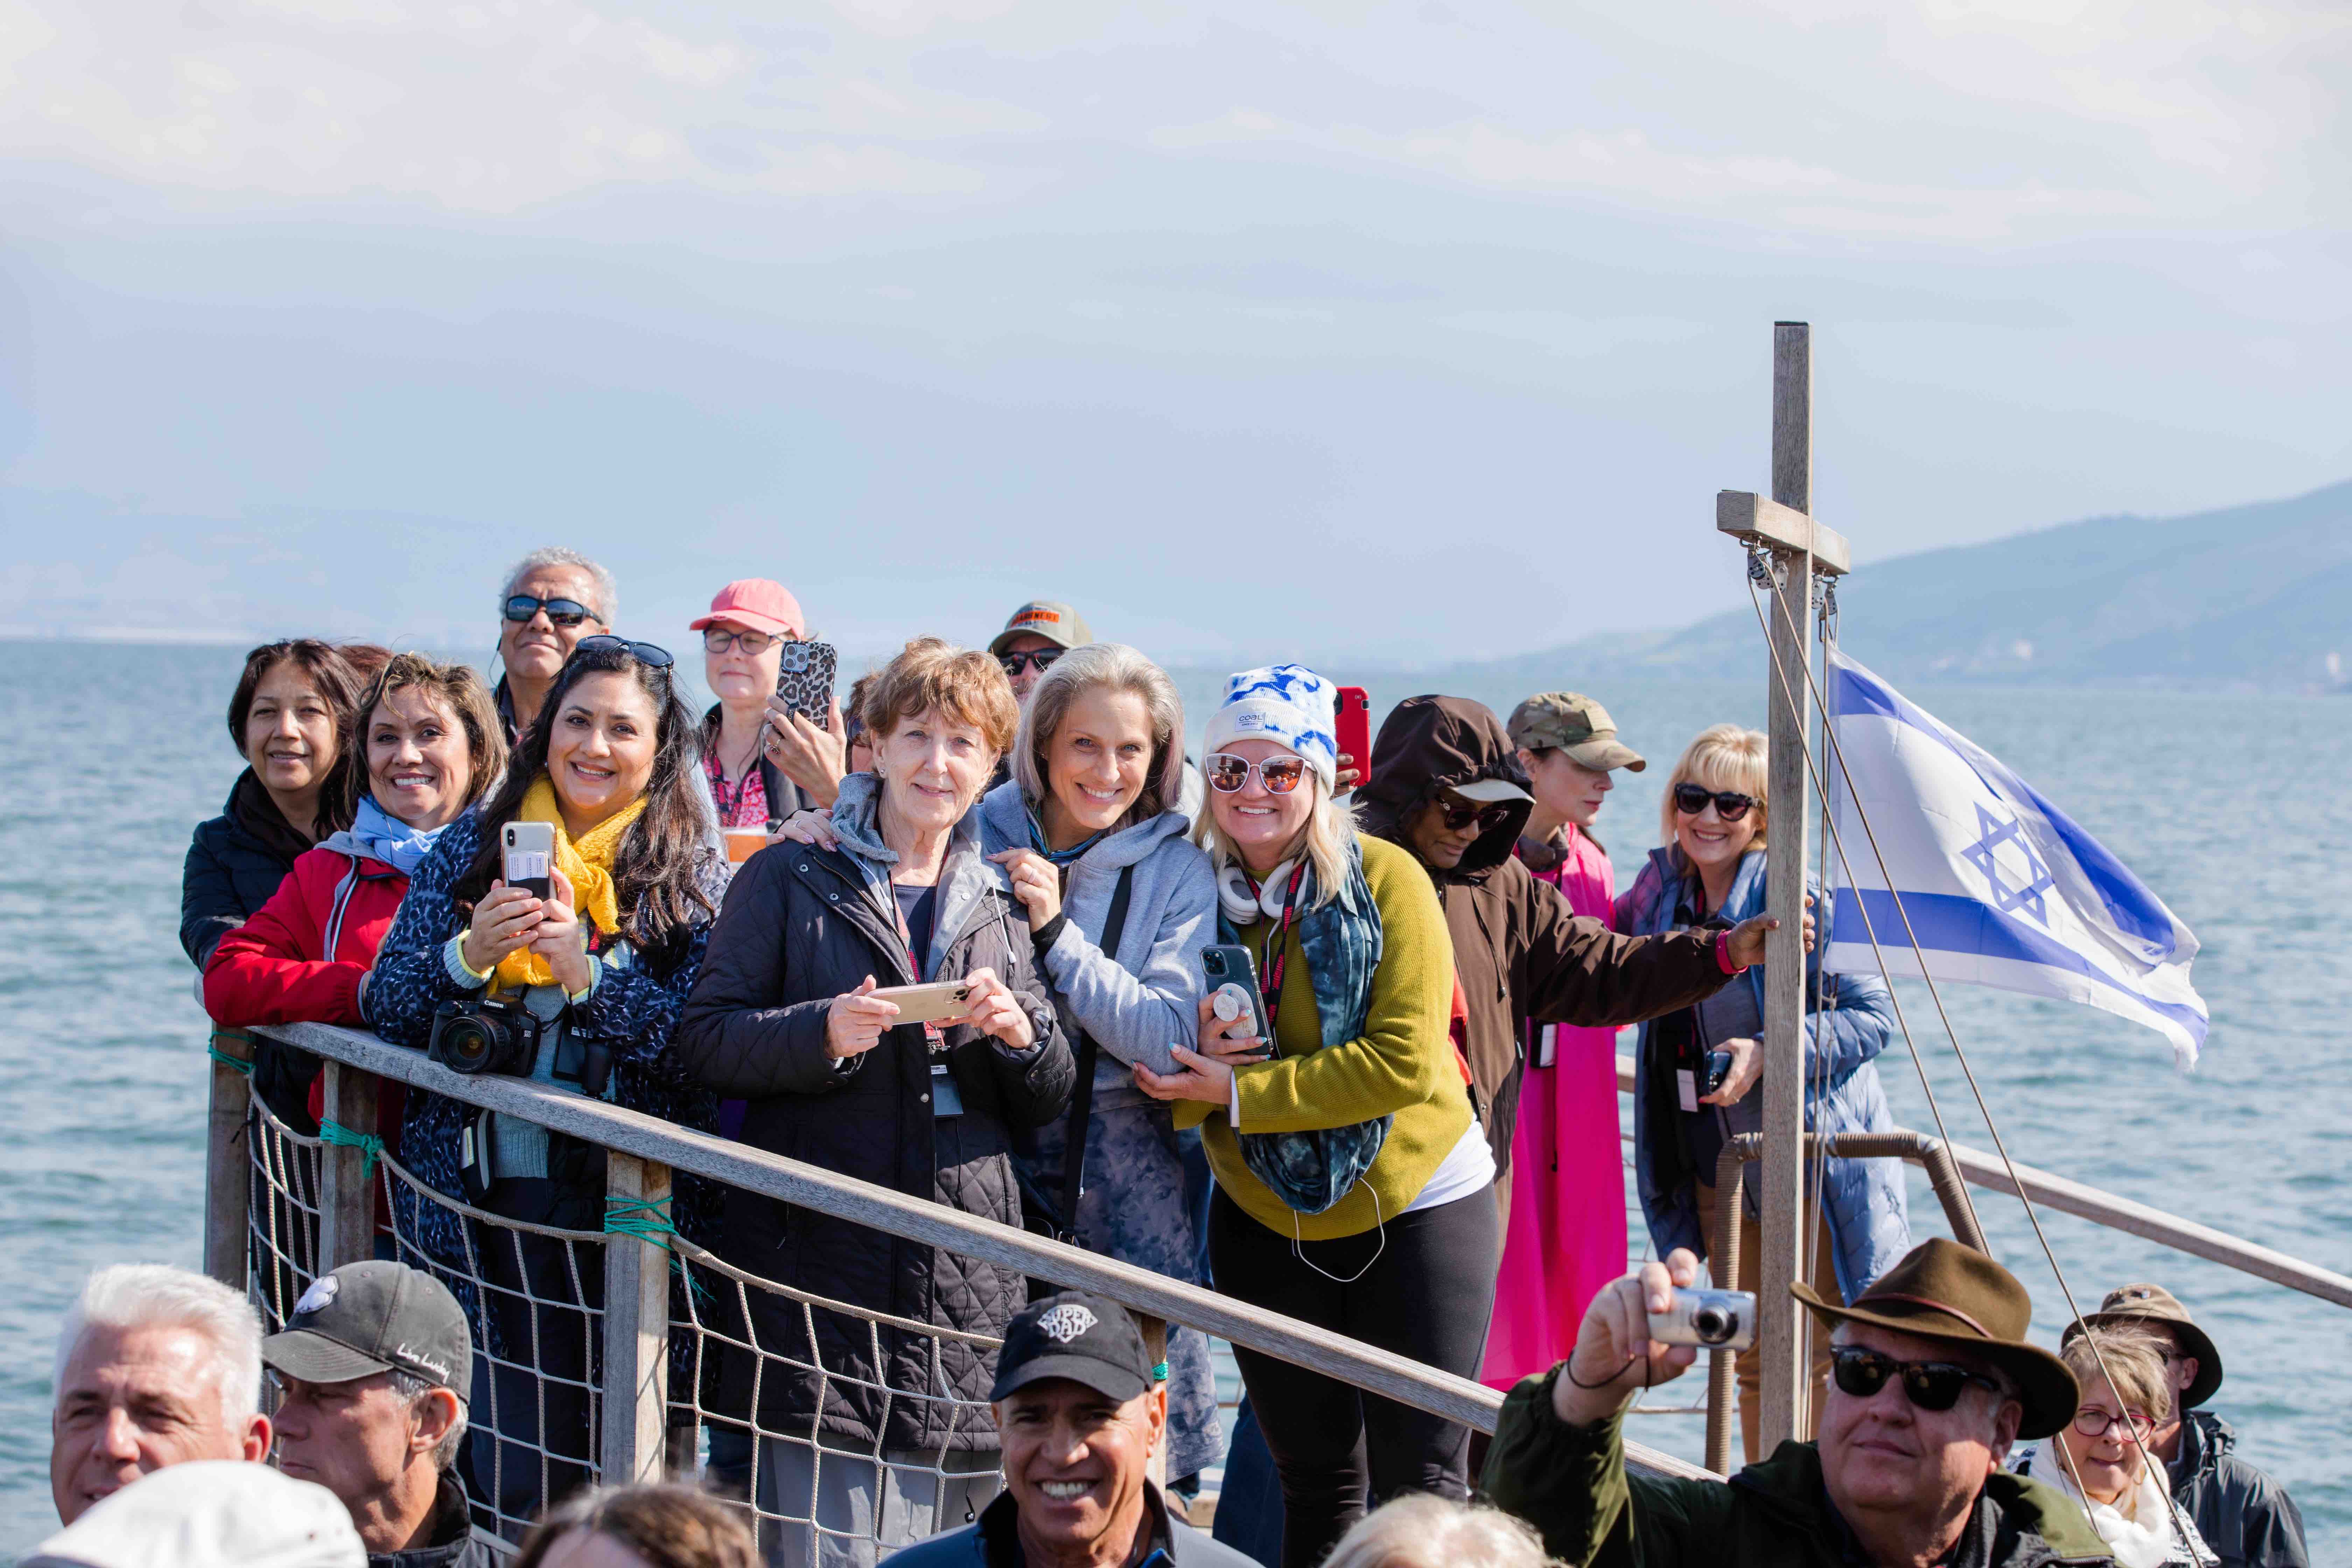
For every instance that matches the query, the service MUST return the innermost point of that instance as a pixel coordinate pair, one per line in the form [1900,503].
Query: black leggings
[1427,1295]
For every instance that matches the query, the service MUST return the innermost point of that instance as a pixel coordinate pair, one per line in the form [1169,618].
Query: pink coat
[1567,1234]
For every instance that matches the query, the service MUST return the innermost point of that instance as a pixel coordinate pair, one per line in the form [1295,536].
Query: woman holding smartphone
[1089,831]
[764,761]
[609,772]
[1711,872]
[786,1015]
[1354,1187]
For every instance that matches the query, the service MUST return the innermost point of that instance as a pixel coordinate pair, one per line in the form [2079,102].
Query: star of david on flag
[2001,887]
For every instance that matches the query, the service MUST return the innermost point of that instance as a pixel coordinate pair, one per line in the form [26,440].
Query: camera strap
[1082,1098]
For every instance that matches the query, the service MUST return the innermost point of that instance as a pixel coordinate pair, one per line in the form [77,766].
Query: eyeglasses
[1929,1385]
[562,612]
[1040,659]
[1458,815]
[716,640]
[2093,1423]
[1690,799]
[644,653]
[1230,775]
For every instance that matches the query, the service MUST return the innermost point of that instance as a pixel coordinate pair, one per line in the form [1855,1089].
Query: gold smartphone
[927,1003]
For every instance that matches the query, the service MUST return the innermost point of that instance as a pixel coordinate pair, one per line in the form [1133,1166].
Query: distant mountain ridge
[2247,596]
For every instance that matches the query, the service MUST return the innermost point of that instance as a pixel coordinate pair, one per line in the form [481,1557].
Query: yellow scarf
[587,865]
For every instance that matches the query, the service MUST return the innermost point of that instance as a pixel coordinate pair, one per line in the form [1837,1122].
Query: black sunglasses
[1690,799]
[1040,659]
[644,653]
[1459,815]
[1929,1385]
[562,612]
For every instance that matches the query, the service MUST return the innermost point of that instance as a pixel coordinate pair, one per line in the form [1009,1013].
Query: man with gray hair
[370,1367]
[155,1366]
[552,598]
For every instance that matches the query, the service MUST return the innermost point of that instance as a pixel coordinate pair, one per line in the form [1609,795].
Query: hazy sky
[1409,330]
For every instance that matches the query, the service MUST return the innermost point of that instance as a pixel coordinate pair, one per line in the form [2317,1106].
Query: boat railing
[617,1372]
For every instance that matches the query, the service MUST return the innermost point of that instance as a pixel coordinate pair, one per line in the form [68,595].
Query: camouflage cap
[1573,723]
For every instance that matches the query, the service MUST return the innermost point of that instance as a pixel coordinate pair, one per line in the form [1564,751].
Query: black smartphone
[1232,973]
[1718,1068]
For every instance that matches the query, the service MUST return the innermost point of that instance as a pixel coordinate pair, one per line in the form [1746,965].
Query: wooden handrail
[2118,1213]
[648,1138]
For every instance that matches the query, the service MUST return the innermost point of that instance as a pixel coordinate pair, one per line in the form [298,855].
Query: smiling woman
[604,963]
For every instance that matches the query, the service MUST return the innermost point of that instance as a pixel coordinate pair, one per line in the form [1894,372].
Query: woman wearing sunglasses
[2101,1458]
[1710,872]
[763,763]
[604,963]
[552,598]
[1354,1188]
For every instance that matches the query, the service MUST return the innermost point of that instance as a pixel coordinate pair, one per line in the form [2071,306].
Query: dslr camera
[483,1035]
[1714,1320]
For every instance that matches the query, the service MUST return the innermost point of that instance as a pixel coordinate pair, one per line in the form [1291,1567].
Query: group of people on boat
[1409,1133]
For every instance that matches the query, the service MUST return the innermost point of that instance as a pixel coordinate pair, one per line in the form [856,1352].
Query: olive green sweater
[1403,1065]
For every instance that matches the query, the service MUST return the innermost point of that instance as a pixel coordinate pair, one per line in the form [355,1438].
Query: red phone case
[1354,729]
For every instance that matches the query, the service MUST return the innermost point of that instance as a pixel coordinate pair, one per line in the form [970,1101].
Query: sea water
[2233,808]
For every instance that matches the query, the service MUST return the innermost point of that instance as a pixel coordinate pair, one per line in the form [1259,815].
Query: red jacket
[300,958]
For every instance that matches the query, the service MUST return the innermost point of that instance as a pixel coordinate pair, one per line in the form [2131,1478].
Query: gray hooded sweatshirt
[1146,997]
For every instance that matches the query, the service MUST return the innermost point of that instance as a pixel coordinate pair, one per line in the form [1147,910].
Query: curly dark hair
[657,874]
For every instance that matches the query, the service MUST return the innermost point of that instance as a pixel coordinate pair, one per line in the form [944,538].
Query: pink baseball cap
[758,603]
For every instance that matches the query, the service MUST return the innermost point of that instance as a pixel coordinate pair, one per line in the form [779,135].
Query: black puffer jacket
[800,927]
[234,863]
[2241,1511]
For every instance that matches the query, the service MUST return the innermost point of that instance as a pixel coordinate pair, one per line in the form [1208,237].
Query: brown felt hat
[1957,1296]
[2138,1307]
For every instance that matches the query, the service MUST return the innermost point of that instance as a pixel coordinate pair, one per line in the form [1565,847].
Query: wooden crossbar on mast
[1799,549]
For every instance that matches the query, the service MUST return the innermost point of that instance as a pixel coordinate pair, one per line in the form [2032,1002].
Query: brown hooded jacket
[1519,950]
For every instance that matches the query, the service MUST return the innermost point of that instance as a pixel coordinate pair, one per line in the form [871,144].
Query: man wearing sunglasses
[552,598]
[1447,784]
[1933,1381]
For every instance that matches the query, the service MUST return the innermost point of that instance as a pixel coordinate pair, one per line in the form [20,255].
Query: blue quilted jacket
[1853,1018]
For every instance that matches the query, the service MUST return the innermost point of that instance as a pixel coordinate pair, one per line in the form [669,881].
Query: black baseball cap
[367,1318]
[1086,1338]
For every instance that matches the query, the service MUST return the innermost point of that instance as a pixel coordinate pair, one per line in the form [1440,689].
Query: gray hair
[608,596]
[1426,1532]
[413,1389]
[1119,668]
[156,1295]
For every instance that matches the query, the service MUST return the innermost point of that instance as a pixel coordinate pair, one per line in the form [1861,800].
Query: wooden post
[346,1185]
[636,1329]
[228,1162]
[1786,1384]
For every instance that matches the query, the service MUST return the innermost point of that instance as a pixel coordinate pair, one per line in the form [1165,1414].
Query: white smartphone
[529,854]
[927,1003]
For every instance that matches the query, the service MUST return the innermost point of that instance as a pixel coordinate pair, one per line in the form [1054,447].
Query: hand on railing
[854,1023]
[994,1011]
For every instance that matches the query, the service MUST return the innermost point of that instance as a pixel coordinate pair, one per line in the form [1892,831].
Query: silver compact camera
[1712,1320]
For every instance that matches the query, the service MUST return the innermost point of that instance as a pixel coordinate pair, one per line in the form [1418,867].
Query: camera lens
[469,1043]
[1713,1325]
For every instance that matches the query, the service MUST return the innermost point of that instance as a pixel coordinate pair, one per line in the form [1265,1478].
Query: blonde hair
[1116,667]
[1723,757]
[1426,1532]
[2135,1360]
[931,672]
[1330,831]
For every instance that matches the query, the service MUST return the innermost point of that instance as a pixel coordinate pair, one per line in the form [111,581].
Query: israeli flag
[2002,888]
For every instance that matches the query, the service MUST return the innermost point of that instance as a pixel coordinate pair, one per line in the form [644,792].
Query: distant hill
[2249,596]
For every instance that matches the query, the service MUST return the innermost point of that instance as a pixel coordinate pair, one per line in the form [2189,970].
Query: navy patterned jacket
[637,1009]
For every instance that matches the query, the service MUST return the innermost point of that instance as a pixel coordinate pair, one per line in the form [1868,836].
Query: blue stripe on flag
[1947,923]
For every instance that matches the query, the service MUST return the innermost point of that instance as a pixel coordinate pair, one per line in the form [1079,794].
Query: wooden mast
[1798,550]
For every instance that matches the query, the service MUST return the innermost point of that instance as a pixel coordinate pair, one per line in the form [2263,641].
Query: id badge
[1547,1044]
[1686,1089]
[946,1100]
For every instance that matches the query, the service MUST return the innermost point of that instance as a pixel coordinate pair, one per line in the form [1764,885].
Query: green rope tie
[227,1060]
[342,1137]
[647,1219]
[1159,1372]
